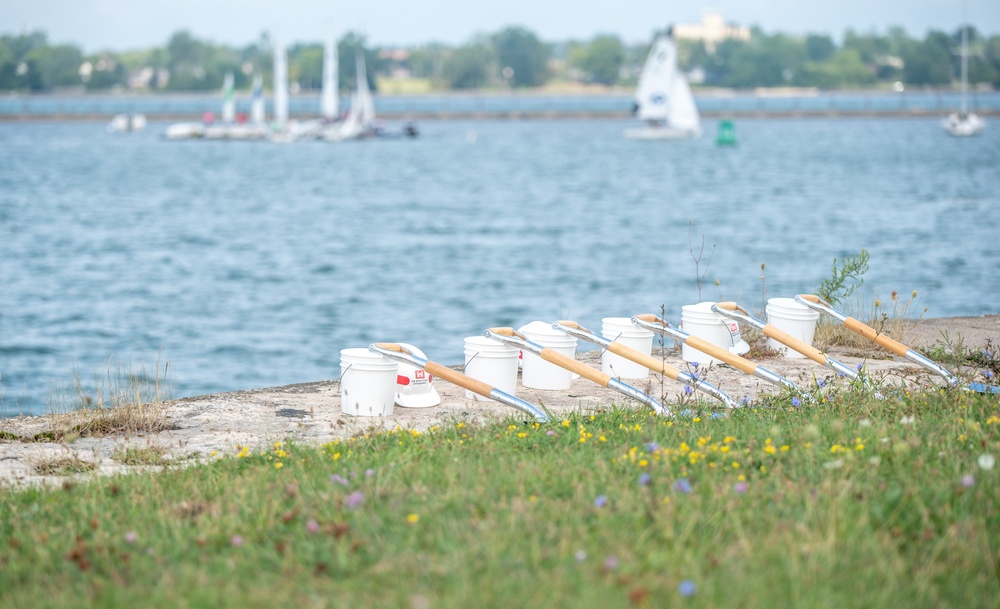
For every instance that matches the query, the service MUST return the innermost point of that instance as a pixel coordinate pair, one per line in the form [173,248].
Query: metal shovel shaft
[660,326]
[395,352]
[818,304]
[510,337]
[734,311]
[652,363]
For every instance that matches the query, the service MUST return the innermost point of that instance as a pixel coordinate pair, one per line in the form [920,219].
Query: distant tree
[766,61]
[928,62]
[819,47]
[307,68]
[428,61]
[601,60]
[347,49]
[991,61]
[521,51]
[844,69]
[58,66]
[470,66]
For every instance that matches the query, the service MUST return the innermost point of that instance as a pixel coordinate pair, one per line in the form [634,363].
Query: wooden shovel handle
[564,361]
[457,378]
[717,352]
[790,341]
[644,360]
[873,335]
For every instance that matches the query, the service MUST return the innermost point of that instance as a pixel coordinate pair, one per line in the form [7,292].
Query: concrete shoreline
[208,427]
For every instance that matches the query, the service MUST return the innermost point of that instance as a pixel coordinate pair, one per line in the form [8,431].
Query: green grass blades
[852,503]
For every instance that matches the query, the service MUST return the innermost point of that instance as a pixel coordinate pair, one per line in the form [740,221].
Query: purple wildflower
[859,366]
[688,390]
[237,540]
[550,433]
[369,472]
[687,588]
[652,447]
[601,501]
[354,500]
[131,537]
[796,402]
[682,486]
[611,562]
[968,480]
[644,479]
[338,479]
[740,488]
[312,527]
[694,365]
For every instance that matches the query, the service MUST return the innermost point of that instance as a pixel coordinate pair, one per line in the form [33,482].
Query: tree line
[513,57]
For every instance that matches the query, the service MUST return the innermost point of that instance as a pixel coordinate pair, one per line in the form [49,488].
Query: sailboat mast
[965,58]
[280,84]
[329,104]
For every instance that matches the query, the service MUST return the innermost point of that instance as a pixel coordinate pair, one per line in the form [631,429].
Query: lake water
[247,265]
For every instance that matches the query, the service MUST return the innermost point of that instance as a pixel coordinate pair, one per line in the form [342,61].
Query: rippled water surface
[249,264]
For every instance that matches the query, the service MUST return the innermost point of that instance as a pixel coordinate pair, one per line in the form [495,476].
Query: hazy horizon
[122,25]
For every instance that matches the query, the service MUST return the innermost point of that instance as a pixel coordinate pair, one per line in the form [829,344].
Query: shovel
[511,337]
[661,367]
[654,323]
[818,304]
[732,310]
[400,354]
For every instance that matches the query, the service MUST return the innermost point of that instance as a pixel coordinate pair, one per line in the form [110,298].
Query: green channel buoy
[727,133]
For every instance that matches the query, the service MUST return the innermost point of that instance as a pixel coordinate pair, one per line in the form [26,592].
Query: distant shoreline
[527,115]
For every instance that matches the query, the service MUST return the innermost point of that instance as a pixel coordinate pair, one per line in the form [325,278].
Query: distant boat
[360,120]
[663,98]
[126,123]
[964,123]
[329,104]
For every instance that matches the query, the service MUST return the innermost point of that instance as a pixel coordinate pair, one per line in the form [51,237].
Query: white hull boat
[663,99]
[964,123]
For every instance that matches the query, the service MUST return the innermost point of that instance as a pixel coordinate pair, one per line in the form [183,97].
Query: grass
[854,502]
[896,319]
[124,400]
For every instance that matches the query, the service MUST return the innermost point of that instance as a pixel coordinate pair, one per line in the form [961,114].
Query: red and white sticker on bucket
[734,332]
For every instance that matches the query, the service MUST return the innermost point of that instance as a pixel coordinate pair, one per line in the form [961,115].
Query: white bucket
[537,373]
[622,331]
[699,320]
[367,383]
[796,319]
[491,362]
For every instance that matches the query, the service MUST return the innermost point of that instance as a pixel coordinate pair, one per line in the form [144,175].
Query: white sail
[663,98]
[228,99]
[280,85]
[652,94]
[365,99]
[257,101]
[683,112]
[329,103]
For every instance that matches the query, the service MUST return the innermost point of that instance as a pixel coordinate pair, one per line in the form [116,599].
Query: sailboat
[329,103]
[360,119]
[663,98]
[964,123]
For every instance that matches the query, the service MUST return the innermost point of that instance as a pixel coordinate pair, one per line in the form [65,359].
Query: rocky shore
[210,426]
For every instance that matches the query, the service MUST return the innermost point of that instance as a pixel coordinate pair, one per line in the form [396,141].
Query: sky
[121,25]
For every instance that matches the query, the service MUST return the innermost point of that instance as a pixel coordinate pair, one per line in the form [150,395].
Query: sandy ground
[210,426]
